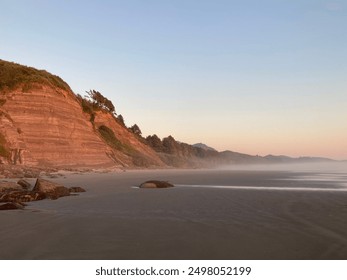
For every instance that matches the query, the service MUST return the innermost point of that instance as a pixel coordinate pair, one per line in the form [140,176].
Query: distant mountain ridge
[239,158]
[204,146]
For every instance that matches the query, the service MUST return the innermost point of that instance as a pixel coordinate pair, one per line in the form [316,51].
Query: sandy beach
[252,214]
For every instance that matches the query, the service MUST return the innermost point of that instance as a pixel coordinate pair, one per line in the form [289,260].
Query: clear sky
[259,77]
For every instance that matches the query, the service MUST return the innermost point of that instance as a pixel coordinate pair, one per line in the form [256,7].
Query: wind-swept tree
[135,129]
[101,101]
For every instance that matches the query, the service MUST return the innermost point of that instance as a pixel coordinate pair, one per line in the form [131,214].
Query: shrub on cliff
[108,135]
[110,138]
[13,75]
[87,106]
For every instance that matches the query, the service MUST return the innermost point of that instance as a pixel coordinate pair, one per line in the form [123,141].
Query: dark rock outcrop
[24,184]
[154,184]
[14,195]
[9,186]
[21,196]
[11,206]
[50,190]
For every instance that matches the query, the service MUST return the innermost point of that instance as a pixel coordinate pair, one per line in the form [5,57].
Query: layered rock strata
[46,126]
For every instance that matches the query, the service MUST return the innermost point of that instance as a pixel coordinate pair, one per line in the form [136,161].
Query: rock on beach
[13,195]
[154,184]
[24,184]
[11,206]
[76,189]
[50,189]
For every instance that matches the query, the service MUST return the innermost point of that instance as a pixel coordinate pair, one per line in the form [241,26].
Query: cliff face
[42,123]
[46,126]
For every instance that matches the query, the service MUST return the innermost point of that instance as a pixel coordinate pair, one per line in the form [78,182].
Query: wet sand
[115,220]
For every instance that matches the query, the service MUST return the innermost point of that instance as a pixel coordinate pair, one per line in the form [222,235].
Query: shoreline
[23,171]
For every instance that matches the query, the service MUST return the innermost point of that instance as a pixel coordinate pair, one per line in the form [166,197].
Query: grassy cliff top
[13,75]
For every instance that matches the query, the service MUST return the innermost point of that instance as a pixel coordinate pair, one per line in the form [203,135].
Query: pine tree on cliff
[135,129]
[101,101]
[155,142]
[121,120]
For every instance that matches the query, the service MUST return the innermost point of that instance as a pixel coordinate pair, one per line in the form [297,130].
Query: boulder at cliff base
[50,189]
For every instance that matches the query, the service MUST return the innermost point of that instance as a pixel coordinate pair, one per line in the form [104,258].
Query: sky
[258,77]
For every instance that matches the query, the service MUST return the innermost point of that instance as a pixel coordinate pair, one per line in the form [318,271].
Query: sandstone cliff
[42,123]
[46,126]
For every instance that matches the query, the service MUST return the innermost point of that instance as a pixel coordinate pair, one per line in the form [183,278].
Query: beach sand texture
[116,220]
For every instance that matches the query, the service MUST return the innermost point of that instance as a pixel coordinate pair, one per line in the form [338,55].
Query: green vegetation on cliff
[111,140]
[13,75]
[108,135]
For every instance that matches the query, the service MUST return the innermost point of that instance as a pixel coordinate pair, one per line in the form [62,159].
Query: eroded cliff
[42,123]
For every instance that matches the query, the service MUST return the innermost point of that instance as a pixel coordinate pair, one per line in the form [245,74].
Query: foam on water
[268,188]
[319,177]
